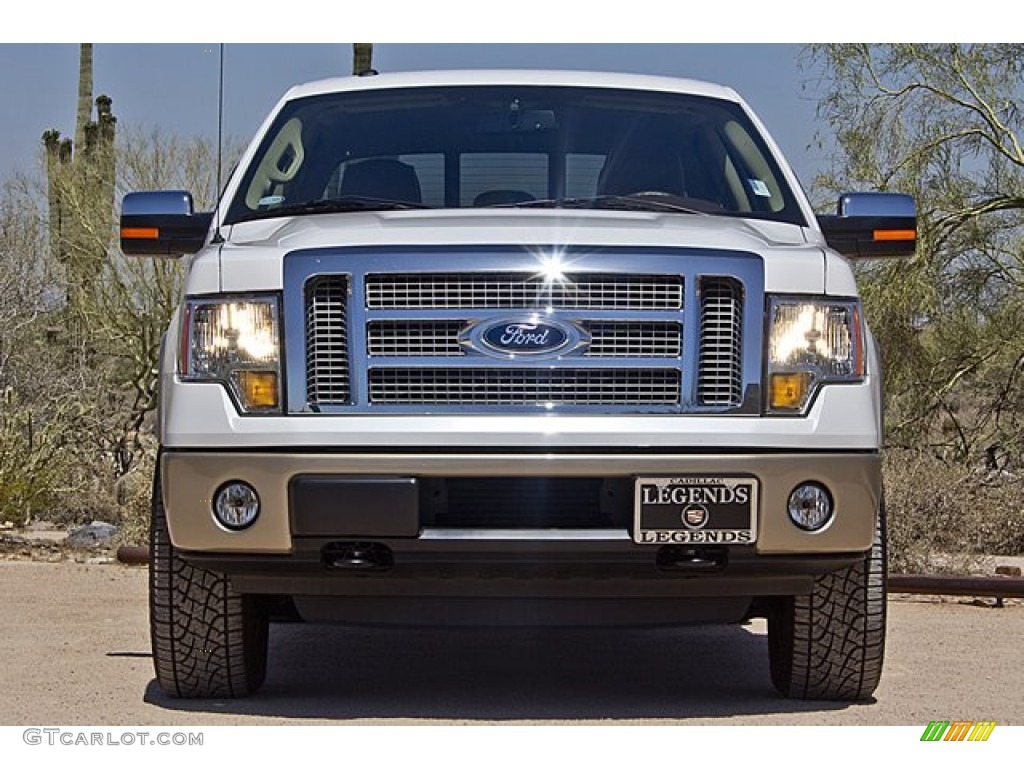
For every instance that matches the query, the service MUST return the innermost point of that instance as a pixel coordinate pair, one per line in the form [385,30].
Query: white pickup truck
[492,348]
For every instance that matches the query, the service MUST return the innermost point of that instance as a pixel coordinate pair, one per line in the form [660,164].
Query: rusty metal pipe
[131,555]
[978,586]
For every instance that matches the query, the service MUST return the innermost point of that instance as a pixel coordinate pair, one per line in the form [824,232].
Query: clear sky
[175,86]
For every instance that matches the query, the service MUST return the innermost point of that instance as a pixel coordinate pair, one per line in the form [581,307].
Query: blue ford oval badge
[523,337]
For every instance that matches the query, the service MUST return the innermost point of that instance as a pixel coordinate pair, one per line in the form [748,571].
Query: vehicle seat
[381,179]
[501,197]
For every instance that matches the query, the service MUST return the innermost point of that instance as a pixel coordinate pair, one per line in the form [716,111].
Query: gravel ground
[76,651]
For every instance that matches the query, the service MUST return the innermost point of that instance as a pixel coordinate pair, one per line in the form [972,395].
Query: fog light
[810,507]
[236,505]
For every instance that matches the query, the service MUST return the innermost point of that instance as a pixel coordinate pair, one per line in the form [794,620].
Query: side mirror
[872,225]
[162,224]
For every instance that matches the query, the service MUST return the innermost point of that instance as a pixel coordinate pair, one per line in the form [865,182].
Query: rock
[11,540]
[99,560]
[92,536]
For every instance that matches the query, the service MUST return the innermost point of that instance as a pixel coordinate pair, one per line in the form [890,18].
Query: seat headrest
[383,179]
[646,161]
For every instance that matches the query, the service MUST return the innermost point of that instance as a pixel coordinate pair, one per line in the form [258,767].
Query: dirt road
[76,651]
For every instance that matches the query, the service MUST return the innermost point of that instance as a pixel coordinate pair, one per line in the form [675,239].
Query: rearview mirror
[872,225]
[520,121]
[162,224]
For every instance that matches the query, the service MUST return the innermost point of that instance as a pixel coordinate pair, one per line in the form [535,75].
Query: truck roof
[512,77]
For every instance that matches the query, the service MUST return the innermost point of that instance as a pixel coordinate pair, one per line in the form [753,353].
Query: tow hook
[357,556]
[692,559]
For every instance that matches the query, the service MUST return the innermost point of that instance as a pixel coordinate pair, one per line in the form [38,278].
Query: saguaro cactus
[362,57]
[80,187]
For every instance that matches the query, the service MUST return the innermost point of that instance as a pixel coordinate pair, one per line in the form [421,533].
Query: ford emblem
[532,336]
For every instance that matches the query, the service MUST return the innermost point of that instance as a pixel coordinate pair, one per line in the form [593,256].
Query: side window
[581,174]
[488,178]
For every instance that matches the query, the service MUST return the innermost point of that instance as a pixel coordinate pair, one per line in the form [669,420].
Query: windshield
[526,146]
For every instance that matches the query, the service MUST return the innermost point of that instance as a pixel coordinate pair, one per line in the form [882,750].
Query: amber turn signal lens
[259,388]
[895,234]
[140,233]
[788,390]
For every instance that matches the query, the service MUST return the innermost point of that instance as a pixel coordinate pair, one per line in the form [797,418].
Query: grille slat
[720,371]
[414,338]
[629,339]
[522,290]
[327,364]
[512,387]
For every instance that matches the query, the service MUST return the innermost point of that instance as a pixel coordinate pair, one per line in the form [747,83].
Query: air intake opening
[720,372]
[526,502]
[328,381]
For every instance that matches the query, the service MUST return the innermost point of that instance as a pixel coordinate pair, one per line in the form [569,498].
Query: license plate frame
[695,509]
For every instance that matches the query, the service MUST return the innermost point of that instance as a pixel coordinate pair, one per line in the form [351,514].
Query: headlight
[811,343]
[235,342]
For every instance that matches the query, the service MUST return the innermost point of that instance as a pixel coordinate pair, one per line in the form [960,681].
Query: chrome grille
[440,338]
[414,338]
[720,372]
[327,363]
[615,339]
[523,290]
[670,338]
[511,386]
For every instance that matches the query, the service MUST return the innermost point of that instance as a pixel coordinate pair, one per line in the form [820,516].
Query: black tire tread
[208,640]
[830,644]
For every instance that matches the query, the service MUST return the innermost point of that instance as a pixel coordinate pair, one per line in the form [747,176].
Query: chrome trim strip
[524,534]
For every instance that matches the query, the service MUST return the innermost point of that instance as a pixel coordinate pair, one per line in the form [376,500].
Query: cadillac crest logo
[532,336]
[695,516]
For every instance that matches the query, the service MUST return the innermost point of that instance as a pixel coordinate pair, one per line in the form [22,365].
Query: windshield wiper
[641,202]
[348,203]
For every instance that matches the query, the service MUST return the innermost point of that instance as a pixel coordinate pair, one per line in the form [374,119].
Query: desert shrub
[134,494]
[943,516]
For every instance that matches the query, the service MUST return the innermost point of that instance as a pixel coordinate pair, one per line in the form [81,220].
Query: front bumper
[191,479]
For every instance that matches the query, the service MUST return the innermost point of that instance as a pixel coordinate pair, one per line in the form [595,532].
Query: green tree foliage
[943,123]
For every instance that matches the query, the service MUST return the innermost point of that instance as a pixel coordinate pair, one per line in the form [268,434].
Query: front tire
[830,644]
[209,641]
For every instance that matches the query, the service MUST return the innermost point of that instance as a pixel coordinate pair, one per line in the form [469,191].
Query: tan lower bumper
[191,479]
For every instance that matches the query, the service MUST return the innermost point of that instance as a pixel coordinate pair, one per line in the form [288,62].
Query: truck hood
[251,257]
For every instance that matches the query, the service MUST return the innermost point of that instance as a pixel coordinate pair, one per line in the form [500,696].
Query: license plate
[695,510]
